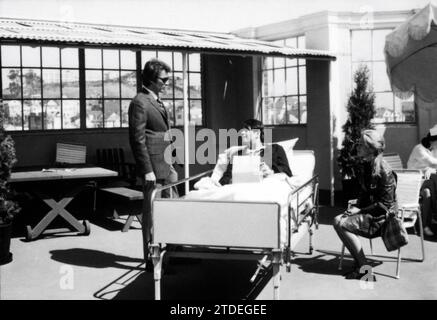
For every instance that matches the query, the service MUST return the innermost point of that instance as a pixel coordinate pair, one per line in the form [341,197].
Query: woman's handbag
[394,234]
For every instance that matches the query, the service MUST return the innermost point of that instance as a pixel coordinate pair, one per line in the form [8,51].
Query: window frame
[298,66]
[82,83]
[41,68]
[371,63]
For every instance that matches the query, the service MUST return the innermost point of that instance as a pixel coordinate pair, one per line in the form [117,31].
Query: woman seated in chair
[273,157]
[377,197]
[424,157]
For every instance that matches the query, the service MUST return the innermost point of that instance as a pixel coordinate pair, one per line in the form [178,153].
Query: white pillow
[288,146]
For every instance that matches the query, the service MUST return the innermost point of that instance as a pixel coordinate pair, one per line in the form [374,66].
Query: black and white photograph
[213,150]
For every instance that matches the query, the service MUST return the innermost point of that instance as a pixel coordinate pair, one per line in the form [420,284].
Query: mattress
[277,189]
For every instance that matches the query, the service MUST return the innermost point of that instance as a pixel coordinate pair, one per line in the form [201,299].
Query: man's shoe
[428,232]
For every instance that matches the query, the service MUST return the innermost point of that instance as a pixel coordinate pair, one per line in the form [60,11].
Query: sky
[205,15]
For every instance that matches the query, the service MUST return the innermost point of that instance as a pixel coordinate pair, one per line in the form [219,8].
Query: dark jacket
[148,123]
[378,193]
[273,155]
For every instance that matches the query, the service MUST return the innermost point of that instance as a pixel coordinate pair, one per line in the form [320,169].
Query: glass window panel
[52,114]
[31,83]
[11,82]
[290,62]
[10,56]
[111,59]
[196,112]
[70,57]
[177,61]
[94,113]
[301,42]
[291,42]
[179,112]
[380,77]
[302,80]
[125,113]
[361,45]
[303,109]
[50,57]
[405,110]
[195,85]
[268,63]
[51,83]
[31,56]
[167,57]
[279,85]
[128,84]
[93,84]
[384,107]
[268,89]
[279,111]
[146,56]
[14,120]
[177,84]
[71,114]
[278,62]
[128,59]
[32,114]
[379,43]
[111,84]
[112,114]
[194,61]
[93,58]
[291,81]
[292,110]
[268,116]
[70,84]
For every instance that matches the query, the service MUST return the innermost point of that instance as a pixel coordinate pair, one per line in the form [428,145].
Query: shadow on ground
[201,280]
[92,258]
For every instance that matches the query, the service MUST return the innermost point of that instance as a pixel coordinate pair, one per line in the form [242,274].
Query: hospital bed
[267,231]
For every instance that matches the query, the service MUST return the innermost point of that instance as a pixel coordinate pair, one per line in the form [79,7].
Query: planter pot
[351,190]
[5,243]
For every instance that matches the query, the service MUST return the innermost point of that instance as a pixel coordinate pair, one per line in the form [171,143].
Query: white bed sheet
[276,188]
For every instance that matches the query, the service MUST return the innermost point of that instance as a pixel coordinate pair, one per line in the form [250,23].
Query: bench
[126,201]
[114,159]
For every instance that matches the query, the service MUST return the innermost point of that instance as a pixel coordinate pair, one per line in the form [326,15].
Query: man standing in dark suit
[148,127]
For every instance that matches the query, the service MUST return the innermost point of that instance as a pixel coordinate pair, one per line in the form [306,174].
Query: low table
[75,180]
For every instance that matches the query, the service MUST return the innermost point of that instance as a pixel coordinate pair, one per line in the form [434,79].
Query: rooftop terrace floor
[107,265]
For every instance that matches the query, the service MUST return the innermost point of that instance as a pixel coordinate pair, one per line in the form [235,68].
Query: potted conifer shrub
[8,207]
[361,110]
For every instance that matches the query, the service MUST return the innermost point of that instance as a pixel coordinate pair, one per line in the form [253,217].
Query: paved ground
[107,265]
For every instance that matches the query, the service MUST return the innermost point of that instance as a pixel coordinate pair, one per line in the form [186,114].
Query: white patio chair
[394,160]
[408,187]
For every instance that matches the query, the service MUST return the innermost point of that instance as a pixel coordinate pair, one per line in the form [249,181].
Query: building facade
[356,38]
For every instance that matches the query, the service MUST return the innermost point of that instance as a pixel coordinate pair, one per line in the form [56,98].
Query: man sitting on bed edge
[273,157]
